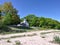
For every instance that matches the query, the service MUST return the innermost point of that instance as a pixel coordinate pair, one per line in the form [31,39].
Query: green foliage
[58,26]
[34,34]
[42,22]
[17,43]
[57,39]
[10,19]
[10,14]
[32,19]
[0,15]
[7,19]
[3,27]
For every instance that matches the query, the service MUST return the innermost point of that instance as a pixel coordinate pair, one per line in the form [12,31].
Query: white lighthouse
[24,23]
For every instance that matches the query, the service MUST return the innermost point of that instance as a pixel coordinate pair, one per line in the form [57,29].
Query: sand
[30,40]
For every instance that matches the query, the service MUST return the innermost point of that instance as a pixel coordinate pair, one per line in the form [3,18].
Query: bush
[8,41]
[34,34]
[57,39]
[4,28]
[17,42]
[58,26]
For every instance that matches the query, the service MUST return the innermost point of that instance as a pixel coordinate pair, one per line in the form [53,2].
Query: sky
[44,8]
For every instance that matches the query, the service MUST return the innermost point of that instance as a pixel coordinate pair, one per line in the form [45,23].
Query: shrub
[58,26]
[57,39]
[34,34]
[8,41]
[17,42]
[3,27]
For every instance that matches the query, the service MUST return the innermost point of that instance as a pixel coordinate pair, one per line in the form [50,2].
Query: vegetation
[8,41]
[11,12]
[9,16]
[17,43]
[57,39]
[49,32]
[34,34]
[42,22]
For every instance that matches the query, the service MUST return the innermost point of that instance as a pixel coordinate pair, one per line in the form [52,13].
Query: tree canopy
[42,22]
[9,16]
[9,13]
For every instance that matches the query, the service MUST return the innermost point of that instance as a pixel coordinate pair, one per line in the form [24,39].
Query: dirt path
[28,39]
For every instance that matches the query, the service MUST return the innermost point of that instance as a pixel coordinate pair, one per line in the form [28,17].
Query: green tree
[0,12]
[7,19]
[31,18]
[42,22]
[10,14]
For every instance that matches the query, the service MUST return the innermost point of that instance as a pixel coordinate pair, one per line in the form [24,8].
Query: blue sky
[45,8]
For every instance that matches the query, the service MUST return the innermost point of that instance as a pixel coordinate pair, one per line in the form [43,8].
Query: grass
[45,33]
[57,39]
[49,32]
[32,34]
[21,30]
[28,29]
[17,36]
[17,43]
[13,32]
[23,35]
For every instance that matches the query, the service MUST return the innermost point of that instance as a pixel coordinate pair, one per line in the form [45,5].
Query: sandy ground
[30,40]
